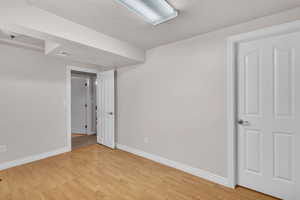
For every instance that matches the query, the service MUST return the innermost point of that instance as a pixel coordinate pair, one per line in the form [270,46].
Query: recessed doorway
[83,109]
[93,111]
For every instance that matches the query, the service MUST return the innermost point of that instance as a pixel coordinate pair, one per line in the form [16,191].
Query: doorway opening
[83,109]
[96,120]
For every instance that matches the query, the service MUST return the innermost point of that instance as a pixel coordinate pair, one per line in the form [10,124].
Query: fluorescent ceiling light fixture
[153,11]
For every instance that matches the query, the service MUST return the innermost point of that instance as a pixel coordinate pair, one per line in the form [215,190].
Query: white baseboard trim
[84,132]
[92,133]
[183,167]
[79,131]
[29,159]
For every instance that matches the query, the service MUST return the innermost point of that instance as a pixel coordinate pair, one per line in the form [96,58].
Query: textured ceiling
[196,17]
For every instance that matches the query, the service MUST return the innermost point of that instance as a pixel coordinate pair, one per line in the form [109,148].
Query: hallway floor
[81,140]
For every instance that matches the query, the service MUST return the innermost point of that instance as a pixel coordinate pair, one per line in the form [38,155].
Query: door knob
[243,122]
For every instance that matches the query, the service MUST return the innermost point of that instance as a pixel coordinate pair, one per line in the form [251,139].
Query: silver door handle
[243,122]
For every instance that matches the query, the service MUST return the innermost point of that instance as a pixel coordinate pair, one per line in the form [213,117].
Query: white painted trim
[92,133]
[81,131]
[180,166]
[33,158]
[68,99]
[231,88]
[84,132]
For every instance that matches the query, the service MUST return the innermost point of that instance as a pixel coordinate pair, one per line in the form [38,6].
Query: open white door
[106,110]
[269,115]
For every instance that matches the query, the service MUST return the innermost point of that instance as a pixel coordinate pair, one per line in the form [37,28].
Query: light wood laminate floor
[82,140]
[98,173]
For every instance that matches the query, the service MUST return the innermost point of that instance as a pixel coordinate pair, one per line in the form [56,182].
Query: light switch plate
[3,148]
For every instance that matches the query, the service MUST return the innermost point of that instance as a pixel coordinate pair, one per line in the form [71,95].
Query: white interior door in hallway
[269,115]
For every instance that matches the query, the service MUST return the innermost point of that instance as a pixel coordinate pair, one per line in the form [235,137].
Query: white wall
[177,98]
[20,17]
[32,105]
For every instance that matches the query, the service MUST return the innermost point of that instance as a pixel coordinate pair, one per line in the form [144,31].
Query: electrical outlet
[146,140]
[3,148]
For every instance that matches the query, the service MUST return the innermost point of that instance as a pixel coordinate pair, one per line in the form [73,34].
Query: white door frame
[231,89]
[68,99]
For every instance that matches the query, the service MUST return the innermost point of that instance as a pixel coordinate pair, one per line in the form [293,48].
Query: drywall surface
[173,105]
[20,17]
[33,110]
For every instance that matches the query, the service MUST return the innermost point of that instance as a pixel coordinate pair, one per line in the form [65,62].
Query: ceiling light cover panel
[153,11]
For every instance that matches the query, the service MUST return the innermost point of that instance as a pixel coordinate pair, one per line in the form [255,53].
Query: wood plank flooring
[80,140]
[98,173]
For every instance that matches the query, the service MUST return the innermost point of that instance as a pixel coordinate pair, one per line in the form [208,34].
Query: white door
[78,102]
[106,110]
[269,115]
